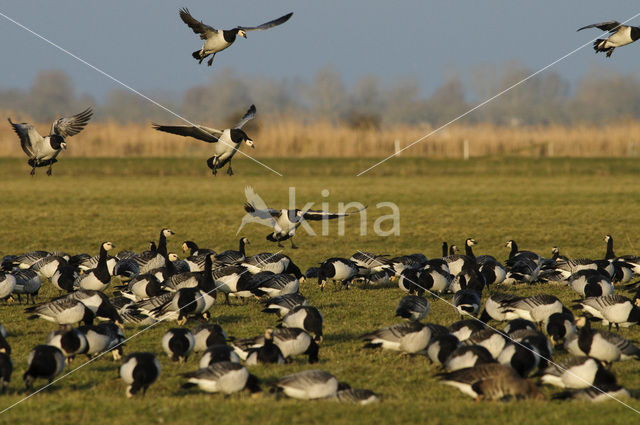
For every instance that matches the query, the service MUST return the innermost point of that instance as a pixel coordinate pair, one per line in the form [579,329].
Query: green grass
[539,203]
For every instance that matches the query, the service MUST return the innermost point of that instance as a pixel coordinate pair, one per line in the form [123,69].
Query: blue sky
[145,44]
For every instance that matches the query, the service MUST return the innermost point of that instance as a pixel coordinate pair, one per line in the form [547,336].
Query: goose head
[470,242]
[268,334]
[242,33]
[166,232]
[249,142]
[607,238]
[108,246]
[173,256]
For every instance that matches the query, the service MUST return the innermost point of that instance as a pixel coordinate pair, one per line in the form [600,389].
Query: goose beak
[249,142]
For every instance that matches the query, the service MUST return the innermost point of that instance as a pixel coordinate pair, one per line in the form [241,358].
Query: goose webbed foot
[211,60]
[49,171]
[33,171]
[293,246]
[229,171]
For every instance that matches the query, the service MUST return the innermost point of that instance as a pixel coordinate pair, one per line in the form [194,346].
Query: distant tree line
[548,98]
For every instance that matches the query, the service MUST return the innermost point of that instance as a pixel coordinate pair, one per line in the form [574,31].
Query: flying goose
[285,222]
[225,142]
[45,361]
[223,377]
[621,35]
[42,151]
[218,40]
[138,371]
[491,382]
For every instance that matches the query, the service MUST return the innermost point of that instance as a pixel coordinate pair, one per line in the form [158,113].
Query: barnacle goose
[268,352]
[309,385]
[218,353]
[535,308]
[64,277]
[411,261]
[296,341]
[493,341]
[99,278]
[522,357]
[27,282]
[6,369]
[278,284]
[64,311]
[409,337]
[358,396]
[463,329]
[590,283]
[153,260]
[144,286]
[408,281]
[281,305]
[190,279]
[24,261]
[178,344]
[92,263]
[456,262]
[208,334]
[613,310]
[621,35]
[223,377]
[467,356]
[43,151]
[369,263]
[516,255]
[523,270]
[441,346]
[305,317]
[232,279]
[7,284]
[413,308]
[560,326]
[493,307]
[98,303]
[102,338]
[434,279]
[180,266]
[45,361]
[604,392]
[217,40]
[233,257]
[276,263]
[338,270]
[70,341]
[194,249]
[518,324]
[467,301]
[602,345]
[537,340]
[47,266]
[138,371]
[491,382]
[577,372]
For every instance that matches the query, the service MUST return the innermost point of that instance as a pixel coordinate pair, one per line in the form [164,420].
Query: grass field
[539,203]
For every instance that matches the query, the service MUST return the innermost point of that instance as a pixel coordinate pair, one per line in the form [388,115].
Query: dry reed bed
[288,138]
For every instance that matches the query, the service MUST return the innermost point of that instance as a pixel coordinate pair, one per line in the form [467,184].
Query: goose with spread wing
[226,142]
[285,222]
[621,35]
[43,151]
[217,40]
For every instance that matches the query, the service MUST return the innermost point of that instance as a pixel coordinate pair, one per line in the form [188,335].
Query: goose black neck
[514,249]
[610,254]
[445,249]
[162,244]
[193,247]
[241,246]
[102,260]
[469,251]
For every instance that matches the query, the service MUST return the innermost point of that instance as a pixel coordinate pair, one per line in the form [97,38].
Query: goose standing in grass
[178,344]
[70,341]
[535,308]
[494,307]
[621,35]
[154,259]
[604,346]
[413,307]
[102,338]
[560,326]
[98,303]
[434,279]
[273,262]
[632,260]
[515,254]
[64,277]
[231,256]
[275,285]
[441,346]
[522,357]
[47,266]
[491,382]
[490,339]
[309,385]
[43,151]
[590,283]
[28,283]
[305,317]
[267,353]
[456,262]
[604,392]
[409,337]
[64,311]
[97,279]
[218,353]
[225,142]
[283,304]
[24,261]
[7,284]
[613,310]
[223,377]
[45,361]
[194,249]
[206,335]
[217,40]
[144,286]
[294,342]
[577,372]
[338,270]
[138,371]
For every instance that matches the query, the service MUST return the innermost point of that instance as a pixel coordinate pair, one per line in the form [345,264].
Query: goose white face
[245,240]
[242,33]
[63,145]
[107,246]
[167,232]
[471,242]
[249,142]
[173,257]
[606,238]
[508,244]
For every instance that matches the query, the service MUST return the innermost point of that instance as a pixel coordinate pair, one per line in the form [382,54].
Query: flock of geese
[474,356]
